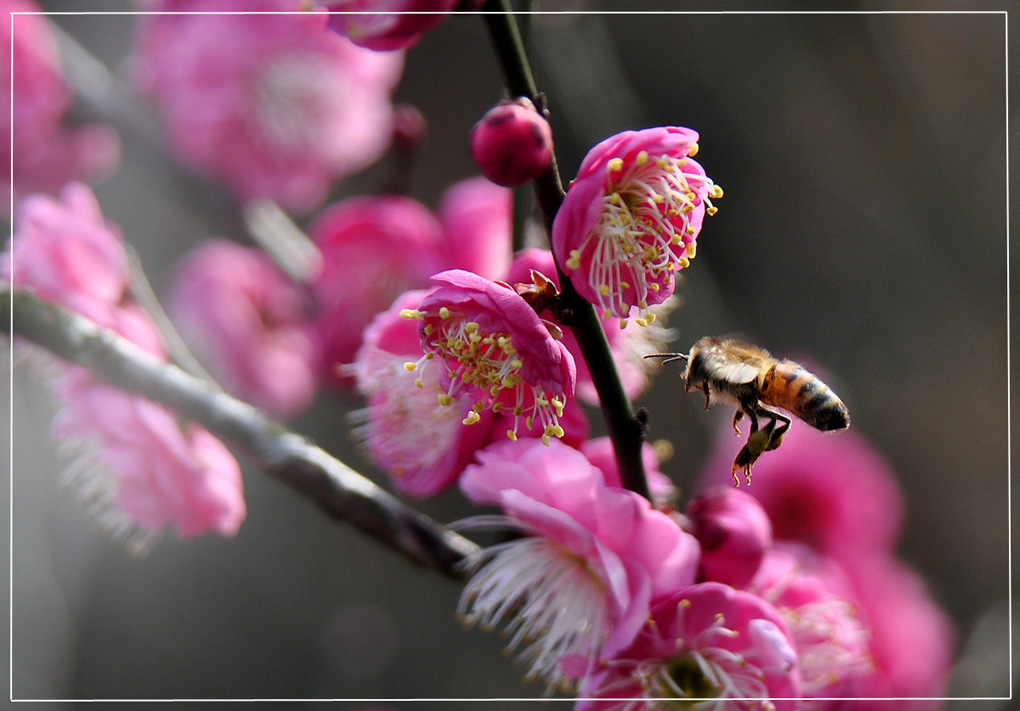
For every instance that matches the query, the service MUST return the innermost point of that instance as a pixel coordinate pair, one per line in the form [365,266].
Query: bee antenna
[669,357]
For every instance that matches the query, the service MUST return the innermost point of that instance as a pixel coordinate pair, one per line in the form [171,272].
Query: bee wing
[723,366]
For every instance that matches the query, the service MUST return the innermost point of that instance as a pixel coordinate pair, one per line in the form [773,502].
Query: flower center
[486,364]
[645,231]
[294,100]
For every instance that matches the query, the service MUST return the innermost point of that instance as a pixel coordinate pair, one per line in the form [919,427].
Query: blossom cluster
[790,596]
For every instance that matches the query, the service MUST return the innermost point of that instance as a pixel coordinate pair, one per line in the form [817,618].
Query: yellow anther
[444,312]
[684,262]
[623,323]
[445,399]
[418,383]
[470,327]
[715,192]
[692,249]
[558,406]
[615,165]
[641,321]
[512,435]
[529,421]
[650,317]
[604,289]
[654,286]
[545,440]
[574,260]
[711,210]
[641,158]
[411,313]
[517,363]
[472,418]
[676,239]
[496,407]
[693,150]
[409,366]
[624,284]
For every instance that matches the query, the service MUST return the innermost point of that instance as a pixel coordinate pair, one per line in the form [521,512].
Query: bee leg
[776,438]
[708,399]
[760,440]
[737,416]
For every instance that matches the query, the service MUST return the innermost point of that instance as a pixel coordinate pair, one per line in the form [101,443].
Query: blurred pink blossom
[134,463]
[631,218]
[832,641]
[628,346]
[835,493]
[164,474]
[393,24]
[734,532]
[492,348]
[280,110]
[373,250]
[65,252]
[46,154]
[476,215]
[238,309]
[707,641]
[580,582]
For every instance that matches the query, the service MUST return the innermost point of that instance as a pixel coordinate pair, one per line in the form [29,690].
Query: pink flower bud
[734,532]
[512,144]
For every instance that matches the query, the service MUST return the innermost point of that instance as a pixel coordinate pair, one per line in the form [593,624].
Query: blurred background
[863,227]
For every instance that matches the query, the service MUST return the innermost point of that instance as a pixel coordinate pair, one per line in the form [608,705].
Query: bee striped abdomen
[791,387]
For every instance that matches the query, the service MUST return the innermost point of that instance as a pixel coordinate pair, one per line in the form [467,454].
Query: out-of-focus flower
[708,642]
[373,250]
[833,493]
[628,346]
[65,252]
[493,349]
[161,473]
[280,110]
[896,606]
[512,143]
[385,24]
[419,442]
[46,155]
[477,222]
[130,459]
[600,452]
[631,218]
[581,580]
[734,532]
[237,308]
[831,640]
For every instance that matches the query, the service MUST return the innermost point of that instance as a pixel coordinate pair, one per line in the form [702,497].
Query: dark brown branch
[625,429]
[339,490]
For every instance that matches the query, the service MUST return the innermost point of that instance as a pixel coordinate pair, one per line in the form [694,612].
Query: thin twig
[626,430]
[340,491]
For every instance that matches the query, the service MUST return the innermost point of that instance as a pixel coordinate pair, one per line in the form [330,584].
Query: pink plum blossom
[250,321]
[373,250]
[493,349]
[707,642]
[912,640]
[593,558]
[512,143]
[628,346]
[419,442]
[65,252]
[631,218]
[832,641]
[163,474]
[133,462]
[734,532]
[280,110]
[835,493]
[385,24]
[477,221]
[46,154]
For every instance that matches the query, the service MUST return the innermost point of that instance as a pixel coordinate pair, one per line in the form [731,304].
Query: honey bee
[744,374]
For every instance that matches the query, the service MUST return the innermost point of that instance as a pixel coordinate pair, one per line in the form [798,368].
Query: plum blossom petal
[581,580]
[494,349]
[631,218]
[385,25]
[239,310]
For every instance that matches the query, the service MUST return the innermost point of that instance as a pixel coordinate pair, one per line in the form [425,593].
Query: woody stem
[626,430]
